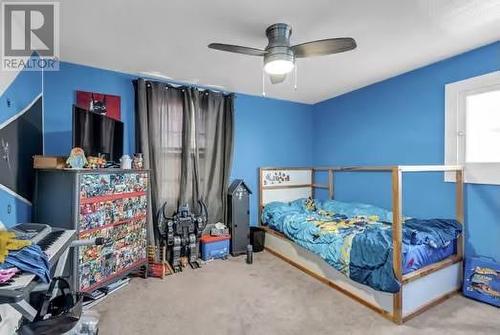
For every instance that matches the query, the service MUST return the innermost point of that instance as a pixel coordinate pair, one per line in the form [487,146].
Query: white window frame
[455,132]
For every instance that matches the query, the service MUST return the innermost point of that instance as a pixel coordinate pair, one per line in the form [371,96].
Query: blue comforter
[356,239]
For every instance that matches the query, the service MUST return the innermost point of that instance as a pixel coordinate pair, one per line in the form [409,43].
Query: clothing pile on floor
[20,255]
[7,274]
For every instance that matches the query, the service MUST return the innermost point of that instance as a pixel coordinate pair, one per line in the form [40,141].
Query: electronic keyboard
[31,231]
[53,241]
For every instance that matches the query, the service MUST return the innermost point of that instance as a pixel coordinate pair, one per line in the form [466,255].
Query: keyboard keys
[49,240]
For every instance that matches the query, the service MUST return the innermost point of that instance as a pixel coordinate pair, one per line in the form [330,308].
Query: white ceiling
[171,37]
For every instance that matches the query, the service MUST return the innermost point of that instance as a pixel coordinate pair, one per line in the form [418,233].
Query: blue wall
[401,121]
[269,132]
[23,90]
[397,121]
[60,94]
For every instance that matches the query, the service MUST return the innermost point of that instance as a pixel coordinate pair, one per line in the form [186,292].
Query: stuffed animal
[310,204]
[76,159]
[95,162]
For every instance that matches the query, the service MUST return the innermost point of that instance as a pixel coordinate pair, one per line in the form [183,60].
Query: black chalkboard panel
[20,140]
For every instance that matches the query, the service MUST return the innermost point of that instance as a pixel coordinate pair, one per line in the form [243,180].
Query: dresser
[109,203]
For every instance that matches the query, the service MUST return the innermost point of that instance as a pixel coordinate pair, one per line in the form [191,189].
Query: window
[472,134]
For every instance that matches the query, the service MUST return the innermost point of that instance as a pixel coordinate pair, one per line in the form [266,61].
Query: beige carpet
[268,297]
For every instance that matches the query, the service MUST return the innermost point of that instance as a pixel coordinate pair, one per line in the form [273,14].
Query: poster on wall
[100,103]
[21,138]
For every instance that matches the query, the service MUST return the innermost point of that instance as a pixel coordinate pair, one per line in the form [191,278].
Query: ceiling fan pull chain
[263,84]
[295,77]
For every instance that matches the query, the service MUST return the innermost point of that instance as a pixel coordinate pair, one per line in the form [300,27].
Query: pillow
[305,204]
[352,209]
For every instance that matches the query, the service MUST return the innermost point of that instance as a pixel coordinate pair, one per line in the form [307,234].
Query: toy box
[482,280]
[214,247]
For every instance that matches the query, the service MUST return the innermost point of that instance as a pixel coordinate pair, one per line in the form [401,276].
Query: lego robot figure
[181,234]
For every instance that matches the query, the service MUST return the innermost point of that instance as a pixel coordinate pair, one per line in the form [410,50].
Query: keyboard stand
[18,297]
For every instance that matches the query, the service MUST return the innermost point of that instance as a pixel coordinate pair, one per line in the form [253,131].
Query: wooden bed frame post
[261,200]
[459,209]
[330,184]
[313,183]
[397,236]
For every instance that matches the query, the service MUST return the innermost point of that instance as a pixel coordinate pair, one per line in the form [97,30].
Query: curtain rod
[183,86]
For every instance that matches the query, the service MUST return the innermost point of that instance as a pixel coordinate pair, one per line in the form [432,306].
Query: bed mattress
[356,239]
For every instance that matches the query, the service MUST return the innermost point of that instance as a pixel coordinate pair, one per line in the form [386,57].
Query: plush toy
[95,162]
[76,159]
[310,204]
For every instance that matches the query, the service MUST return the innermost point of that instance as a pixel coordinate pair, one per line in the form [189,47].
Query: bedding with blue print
[356,239]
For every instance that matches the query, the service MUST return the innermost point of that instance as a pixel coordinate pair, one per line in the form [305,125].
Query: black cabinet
[238,216]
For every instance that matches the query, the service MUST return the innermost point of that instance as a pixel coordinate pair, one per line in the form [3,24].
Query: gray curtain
[186,136]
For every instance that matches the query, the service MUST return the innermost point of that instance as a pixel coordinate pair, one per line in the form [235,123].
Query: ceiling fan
[279,55]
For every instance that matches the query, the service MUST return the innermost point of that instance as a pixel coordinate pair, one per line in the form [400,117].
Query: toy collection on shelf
[114,206]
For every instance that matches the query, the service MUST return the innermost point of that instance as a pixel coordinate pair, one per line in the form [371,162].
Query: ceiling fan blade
[237,49]
[324,47]
[277,78]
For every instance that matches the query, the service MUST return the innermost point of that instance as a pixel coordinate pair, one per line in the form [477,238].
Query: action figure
[181,234]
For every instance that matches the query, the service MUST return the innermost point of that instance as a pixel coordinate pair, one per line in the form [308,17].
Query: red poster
[106,104]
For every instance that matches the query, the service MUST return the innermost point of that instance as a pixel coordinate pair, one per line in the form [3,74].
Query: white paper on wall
[286,177]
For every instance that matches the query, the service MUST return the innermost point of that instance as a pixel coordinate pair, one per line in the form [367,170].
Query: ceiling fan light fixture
[279,66]
[279,63]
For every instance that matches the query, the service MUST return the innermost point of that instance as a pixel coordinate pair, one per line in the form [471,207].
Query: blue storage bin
[214,247]
[482,280]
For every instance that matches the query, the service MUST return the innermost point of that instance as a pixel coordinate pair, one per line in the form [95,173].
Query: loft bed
[419,289]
